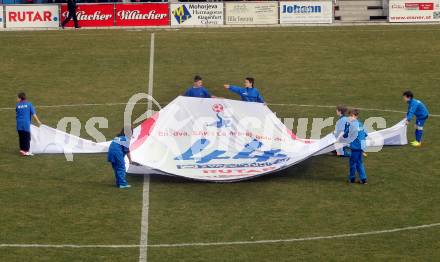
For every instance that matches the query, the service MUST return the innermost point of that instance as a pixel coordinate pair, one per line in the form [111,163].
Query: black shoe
[352,181]
[363,182]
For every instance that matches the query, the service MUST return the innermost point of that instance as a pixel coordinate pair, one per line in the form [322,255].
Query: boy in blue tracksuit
[355,132]
[116,153]
[24,111]
[197,90]
[420,111]
[341,111]
[247,93]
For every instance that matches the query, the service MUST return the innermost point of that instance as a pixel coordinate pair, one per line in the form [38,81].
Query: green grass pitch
[47,200]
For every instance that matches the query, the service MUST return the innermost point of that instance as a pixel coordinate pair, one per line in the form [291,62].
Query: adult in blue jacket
[247,93]
[420,111]
[354,131]
[24,111]
[117,151]
[197,90]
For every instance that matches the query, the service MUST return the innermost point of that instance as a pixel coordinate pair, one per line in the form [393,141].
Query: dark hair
[408,94]
[21,95]
[343,109]
[354,112]
[122,133]
[251,80]
[197,78]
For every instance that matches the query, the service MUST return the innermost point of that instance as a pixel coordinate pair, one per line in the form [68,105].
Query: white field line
[269,104]
[143,245]
[199,244]
[360,108]
[239,29]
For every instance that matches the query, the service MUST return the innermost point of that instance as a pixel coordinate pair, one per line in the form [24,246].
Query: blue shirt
[416,108]
[197,92]
[247,94]
[356,133]
[119,147]
[24,111]
[340,125]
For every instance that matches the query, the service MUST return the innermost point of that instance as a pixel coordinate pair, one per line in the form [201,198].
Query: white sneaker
[28,154]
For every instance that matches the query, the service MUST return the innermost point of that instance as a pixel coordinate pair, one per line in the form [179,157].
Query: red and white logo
[419,6]
[32,16]
[94,15]
[142,15]
[217,108]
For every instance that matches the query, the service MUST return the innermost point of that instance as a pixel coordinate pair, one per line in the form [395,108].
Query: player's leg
[75,19]
[21,141]
[361,169]
[352,162]
[115,170]
[419,131]
[68,18]
[121,173]
[27,142]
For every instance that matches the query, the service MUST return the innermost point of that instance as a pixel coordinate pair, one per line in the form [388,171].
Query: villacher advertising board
[306,12]
[261,13]
[148,14]
[91,15]
[32,16]
[407,11]
[196,14]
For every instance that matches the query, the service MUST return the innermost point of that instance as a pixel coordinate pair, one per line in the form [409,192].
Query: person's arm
[260,99]
[339,128]
[206,93]
[234,89]
[411,111]
[37,119]
[187,92]
[346,130]
[34,115]
[129,158]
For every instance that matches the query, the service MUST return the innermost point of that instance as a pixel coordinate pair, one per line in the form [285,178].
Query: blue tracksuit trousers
[119,169]
[357,164]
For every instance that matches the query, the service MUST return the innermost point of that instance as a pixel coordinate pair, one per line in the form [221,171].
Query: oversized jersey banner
[47,140]
[210,139]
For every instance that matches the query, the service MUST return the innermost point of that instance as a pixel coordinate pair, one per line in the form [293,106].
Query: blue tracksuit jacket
[416,108]
[247,94]
[356,133]
[197,92]
[24,111]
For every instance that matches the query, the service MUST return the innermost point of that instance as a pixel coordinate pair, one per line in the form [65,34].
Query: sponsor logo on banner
[93,15]
[196,14]
[265,13]
[407,11]
[306,12]
[26,16]
[222,120]
[142,14]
